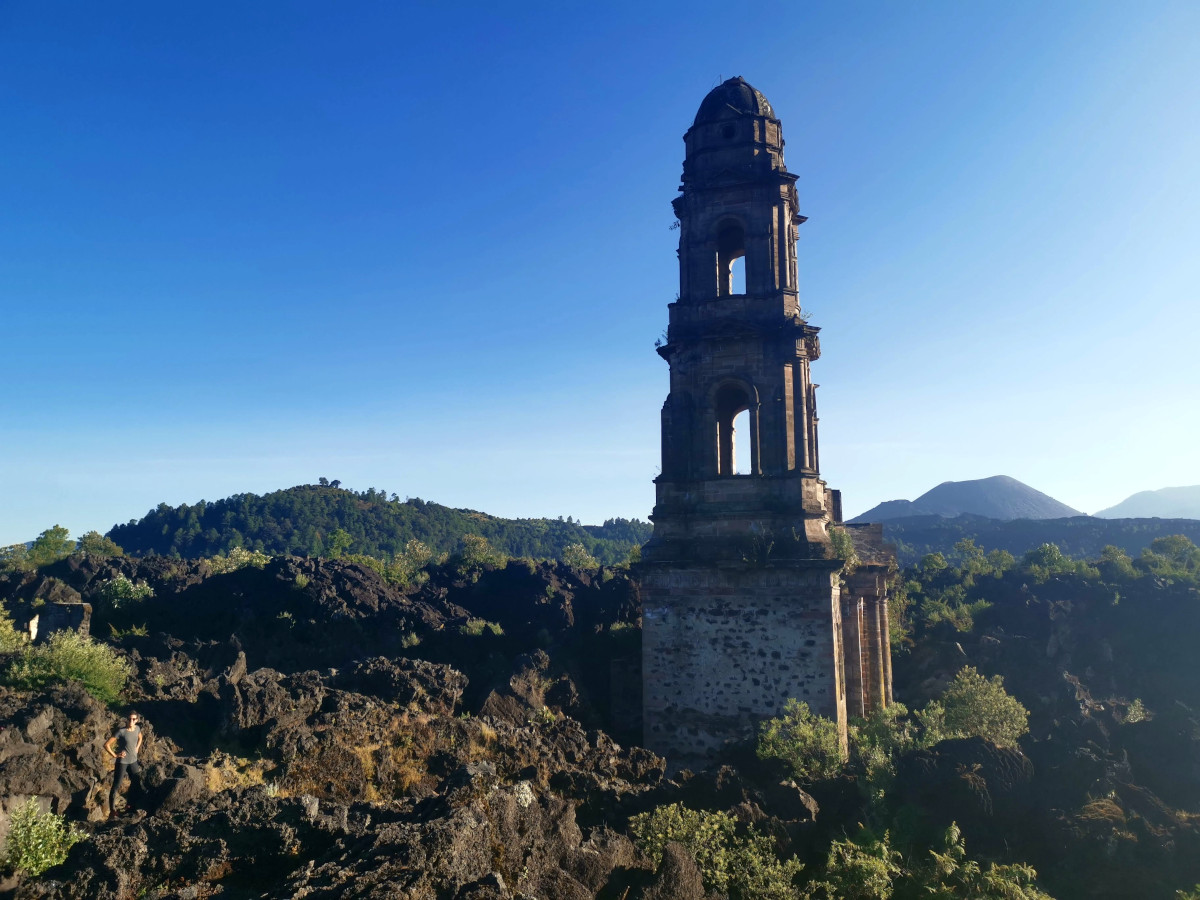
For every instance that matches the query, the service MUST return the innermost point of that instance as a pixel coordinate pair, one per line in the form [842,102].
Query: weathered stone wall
[724,648]
[52,618]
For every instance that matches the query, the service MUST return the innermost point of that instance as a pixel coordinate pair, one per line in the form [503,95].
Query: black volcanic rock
[999,497]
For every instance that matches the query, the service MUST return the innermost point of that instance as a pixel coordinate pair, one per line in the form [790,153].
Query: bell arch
[731,246]
[731,398]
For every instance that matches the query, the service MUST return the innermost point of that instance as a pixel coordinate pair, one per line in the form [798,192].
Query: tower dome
[732,98]
[735,135]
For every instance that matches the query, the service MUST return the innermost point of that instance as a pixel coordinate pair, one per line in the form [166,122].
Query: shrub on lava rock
[808,743]
[973,706]
[11,640]
[71,656]
[576,556]
[237,558]
[474,555]
[37,840]
[742,864]
[121,591]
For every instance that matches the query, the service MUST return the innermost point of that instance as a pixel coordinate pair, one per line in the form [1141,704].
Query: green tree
[974,706]
[1048,560]
[1001,561]
[932,563]
[11,640]
[474,555]
[971,557]
[951,605]
[14,556]
[576,556]
[1115,565]
[1173,556]
[808,743]
[95,543]
[339,542]
[876,741]
[50,546]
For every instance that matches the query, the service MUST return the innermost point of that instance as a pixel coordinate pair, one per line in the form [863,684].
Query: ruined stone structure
[743,597]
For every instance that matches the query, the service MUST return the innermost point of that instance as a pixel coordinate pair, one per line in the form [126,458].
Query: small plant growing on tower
[843,548]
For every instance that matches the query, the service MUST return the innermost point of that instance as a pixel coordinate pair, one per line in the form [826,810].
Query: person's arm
[138,749]
[110,744]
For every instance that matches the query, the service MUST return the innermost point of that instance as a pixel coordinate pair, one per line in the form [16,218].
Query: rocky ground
[314,731]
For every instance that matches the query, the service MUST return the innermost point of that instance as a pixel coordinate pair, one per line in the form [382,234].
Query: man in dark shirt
[123,747]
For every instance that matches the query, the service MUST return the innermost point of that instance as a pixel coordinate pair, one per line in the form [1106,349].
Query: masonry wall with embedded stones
[725,648]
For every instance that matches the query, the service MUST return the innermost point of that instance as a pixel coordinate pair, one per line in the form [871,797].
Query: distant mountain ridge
[998,497]
[1165,503]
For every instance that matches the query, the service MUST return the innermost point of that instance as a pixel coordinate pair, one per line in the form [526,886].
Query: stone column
[872,658]
[885,632]
[788,421]
[800,381]
[852,647]
[814,452]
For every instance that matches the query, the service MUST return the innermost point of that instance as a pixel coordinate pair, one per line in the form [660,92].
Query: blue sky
[424,246]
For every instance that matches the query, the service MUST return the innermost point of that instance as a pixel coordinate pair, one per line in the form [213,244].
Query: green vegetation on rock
[121,591]
[95,543]
[11,640]
[70,656]
[37,840]
[974,706]
[868,868]
[740,862]
[808,743]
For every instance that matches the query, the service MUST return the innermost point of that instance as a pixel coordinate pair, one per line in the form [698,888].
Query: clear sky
[424,247]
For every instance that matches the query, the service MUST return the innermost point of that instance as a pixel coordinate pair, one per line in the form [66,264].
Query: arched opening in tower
[735,437]
[731,248]
[737,276]
[741,443]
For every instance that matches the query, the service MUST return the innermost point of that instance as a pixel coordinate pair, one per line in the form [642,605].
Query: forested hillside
[326,520]
[1079,537]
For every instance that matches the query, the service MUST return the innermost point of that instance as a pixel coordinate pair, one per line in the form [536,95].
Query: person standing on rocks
[123,747]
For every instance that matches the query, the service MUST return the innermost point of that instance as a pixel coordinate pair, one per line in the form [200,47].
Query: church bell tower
[740,584]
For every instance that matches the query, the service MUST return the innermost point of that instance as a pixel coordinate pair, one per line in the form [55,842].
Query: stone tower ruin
[744,600]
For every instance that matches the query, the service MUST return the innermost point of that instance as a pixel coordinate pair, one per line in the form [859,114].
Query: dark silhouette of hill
[998,497]
[1165,503]
[1080,537]
[303,521]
